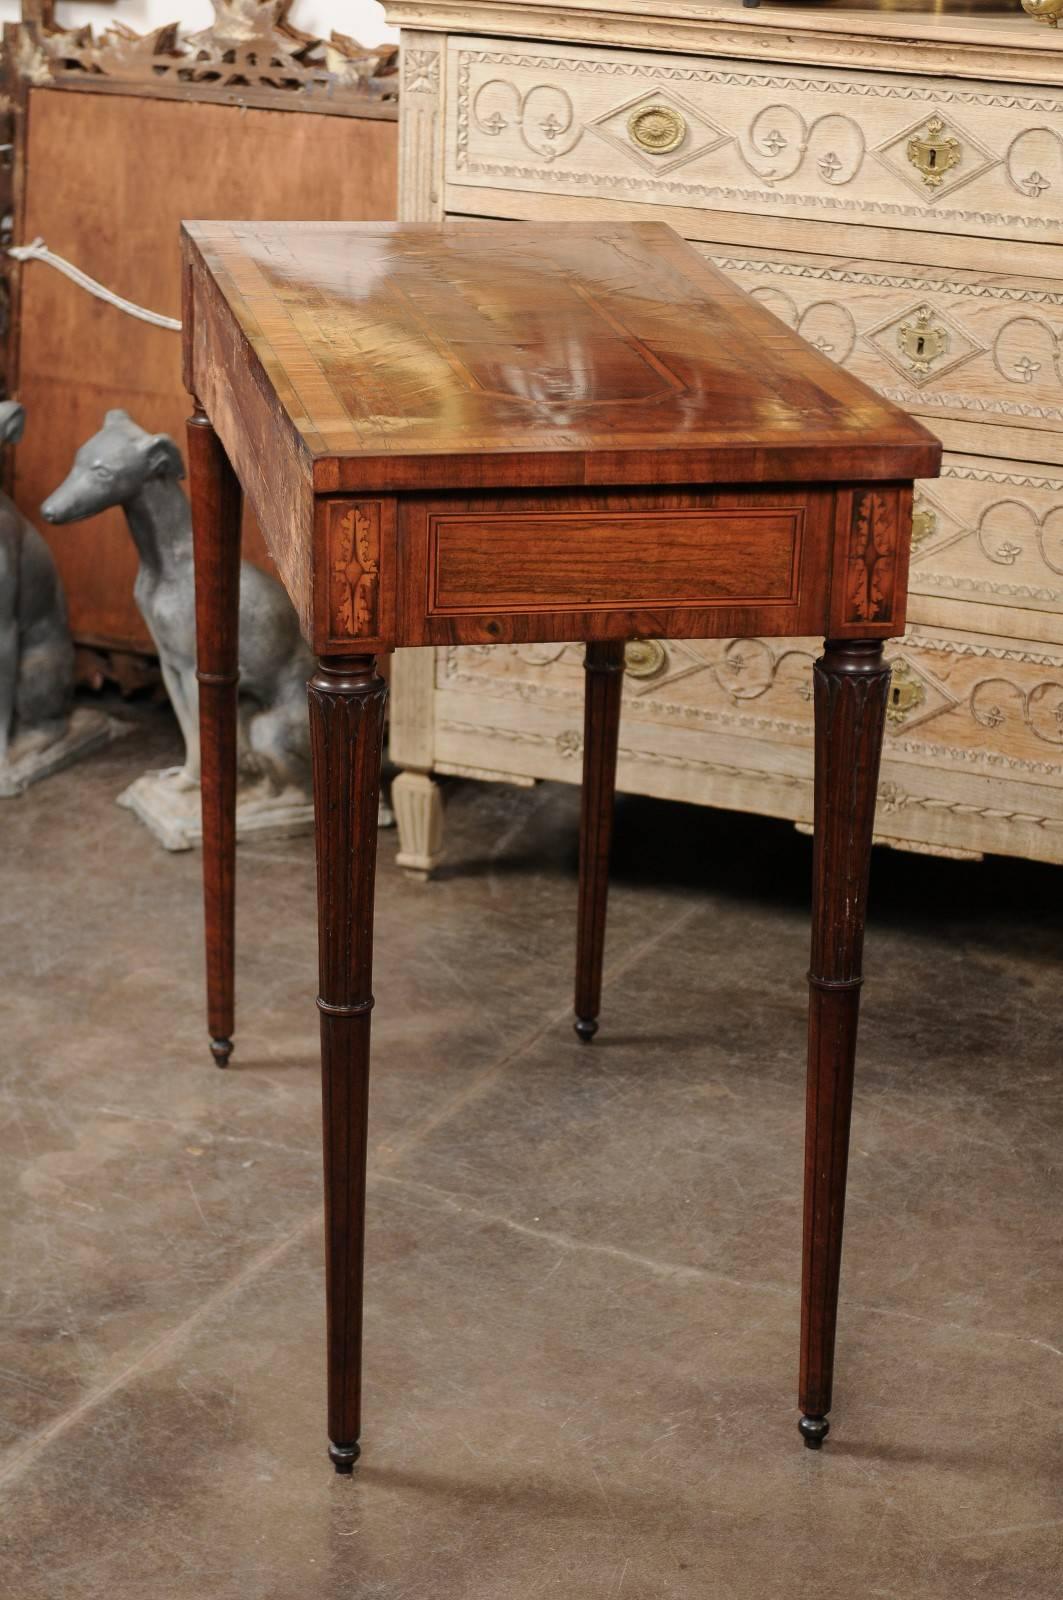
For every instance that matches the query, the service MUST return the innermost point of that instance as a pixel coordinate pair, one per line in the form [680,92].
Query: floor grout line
[684,1271]
[160,1348]
[155,1352]
[564,1241]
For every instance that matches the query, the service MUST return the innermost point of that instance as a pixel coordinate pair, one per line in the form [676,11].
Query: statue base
[170,810]
[30,760]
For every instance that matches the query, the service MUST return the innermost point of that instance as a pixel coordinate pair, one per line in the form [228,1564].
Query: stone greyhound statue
[36,653]
[123,465]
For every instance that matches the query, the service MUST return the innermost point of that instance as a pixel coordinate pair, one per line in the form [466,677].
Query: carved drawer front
[941,156]
[974,733]
[980,349]
[989,534]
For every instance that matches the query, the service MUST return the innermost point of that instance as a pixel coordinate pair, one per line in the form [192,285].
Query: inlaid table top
[500,355]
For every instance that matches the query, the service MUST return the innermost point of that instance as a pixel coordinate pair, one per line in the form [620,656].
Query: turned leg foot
[604,665]
[221,1050]
[343,1456]
[851,686]
[215,497]
[347,699]
[813,1431]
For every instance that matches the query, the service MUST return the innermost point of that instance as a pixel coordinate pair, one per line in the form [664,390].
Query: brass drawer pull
[644,658]
[657,128]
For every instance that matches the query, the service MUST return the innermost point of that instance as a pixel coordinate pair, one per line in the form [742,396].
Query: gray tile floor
[582,1313]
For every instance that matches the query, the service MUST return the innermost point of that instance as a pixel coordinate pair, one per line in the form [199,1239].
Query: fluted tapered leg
[215,496]
[347,699]
[851,689]
[604,663]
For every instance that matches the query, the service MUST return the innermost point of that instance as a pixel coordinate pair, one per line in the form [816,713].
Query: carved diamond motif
[922,343]
[934,527]
[970,159]
[701,135]
[915,696]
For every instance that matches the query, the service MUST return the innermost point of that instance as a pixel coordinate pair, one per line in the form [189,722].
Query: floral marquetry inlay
[872,564]
[354,566]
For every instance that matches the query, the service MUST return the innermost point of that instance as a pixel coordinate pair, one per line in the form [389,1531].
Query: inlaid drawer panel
[963,345]
[941,156]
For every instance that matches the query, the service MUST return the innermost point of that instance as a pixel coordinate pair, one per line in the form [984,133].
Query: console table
[487,435]
[890,184]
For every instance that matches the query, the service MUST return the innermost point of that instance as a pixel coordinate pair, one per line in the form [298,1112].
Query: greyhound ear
[116,416]
[12,421]
[164,458]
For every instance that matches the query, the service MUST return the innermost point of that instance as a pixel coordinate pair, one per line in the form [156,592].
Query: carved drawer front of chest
[940,156]
[987,548]
[974,740]
[962,345]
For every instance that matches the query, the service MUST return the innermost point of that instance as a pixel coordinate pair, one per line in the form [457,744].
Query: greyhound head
[12,421]
[111,469]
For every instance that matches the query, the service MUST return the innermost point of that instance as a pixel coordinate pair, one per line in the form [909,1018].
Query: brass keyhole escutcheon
[923,341]
[657,129]
[907,693]
[934,152]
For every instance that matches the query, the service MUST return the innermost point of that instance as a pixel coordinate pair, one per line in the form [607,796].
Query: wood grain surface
[464,356]
[109,178]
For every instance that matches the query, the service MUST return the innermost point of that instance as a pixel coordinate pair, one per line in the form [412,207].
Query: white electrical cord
[39,251]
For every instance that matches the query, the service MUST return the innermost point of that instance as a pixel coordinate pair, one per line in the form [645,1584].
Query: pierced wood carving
[354,571]
[250,55]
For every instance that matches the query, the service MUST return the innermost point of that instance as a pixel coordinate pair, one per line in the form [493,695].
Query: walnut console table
[494,434]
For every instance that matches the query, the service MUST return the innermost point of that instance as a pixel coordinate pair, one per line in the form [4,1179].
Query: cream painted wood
[1018,49]
[819,145]
[418,806]
[727,230]
[974,747]
[987,548]
[975,736]
[421,128]
[415,796]
[962,345]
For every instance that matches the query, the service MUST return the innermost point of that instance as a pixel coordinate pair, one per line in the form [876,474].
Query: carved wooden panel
[986,348]
[989,533]
[974,732]
[831,146]
[841,161]
[250,54]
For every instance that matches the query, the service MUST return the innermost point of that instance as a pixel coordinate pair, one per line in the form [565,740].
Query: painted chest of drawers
[899,201]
